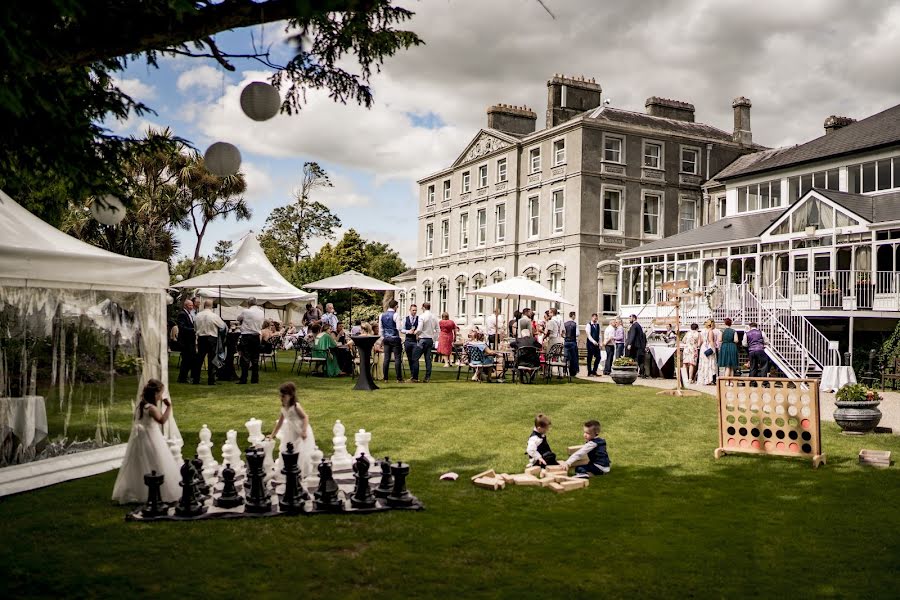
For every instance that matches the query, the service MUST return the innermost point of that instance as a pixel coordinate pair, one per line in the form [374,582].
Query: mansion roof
[877,131]
[874,209]
[743,162]
[618,116]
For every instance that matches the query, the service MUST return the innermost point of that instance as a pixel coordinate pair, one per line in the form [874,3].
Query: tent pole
[351,308]
[220,301]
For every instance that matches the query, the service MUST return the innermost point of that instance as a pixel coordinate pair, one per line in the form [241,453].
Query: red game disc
[755,444]
[804,423]
[794,447]
[780,445]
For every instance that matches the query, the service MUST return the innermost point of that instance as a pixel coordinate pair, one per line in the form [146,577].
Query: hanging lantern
[260,101]
[108,210]
[222,159]
[170,300]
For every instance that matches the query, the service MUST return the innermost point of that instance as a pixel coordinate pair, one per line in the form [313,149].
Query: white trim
[608,263]
[463,188]
[621,189]
[528,217]
[478,242]
[681,149]
[506,174]
[660,207]
[429,227]
[464,229]
[766,237]
[487,176]
[430,194]
[662,153]
[447,190]
[531,169]
[696,202]
[497,223]
[443,237]
[621,138]
[562,139]
[553,230]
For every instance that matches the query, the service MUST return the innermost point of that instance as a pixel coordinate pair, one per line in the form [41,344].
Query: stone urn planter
[857,409]
[624,371]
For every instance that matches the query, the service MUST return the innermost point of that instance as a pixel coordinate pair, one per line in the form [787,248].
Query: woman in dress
[708,368]
[293,427]
[448,332]
[690,351]
[728,354]
[148,451]
[482,357]
[322,348]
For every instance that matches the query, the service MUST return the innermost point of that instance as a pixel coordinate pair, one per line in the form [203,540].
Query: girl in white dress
[708,368]
[148,451]
[293,426]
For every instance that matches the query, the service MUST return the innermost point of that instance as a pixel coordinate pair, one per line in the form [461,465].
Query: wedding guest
[446,338]
[390,324]
[728,354]
[570,341]
[592,333]
[426,331]
[207,325]
[609,345]
[251,321]
[409,344]
[492,327]
[708,369]
[692,341]
[311,315]
[755,342]
[636,344]
[187,340]
[329,316]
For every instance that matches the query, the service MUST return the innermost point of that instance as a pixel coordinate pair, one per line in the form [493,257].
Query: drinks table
[364,344]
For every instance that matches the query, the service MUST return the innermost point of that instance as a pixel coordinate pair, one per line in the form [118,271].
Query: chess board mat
[770,416]
[343,478]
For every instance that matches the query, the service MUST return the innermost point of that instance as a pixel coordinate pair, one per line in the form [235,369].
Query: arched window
[401,300]
[412,296]
[426,291]
[478,283]
[497,276]
[607,285]
[462,286]
[534,275]
[442,295]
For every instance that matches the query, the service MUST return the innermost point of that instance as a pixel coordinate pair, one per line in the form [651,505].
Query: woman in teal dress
[321,349]
[728,354]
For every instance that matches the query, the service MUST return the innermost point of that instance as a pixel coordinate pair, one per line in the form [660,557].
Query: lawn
[668,521]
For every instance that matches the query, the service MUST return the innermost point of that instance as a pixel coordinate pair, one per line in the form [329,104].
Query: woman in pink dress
[447,337]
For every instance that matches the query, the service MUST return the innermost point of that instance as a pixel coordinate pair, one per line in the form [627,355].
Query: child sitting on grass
[537,449]
[594,449]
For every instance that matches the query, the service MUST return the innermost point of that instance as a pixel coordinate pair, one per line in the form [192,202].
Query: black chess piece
[327,494]
[189,505]
[400,496]
[229,497]
[387,481]
[258,500]
[155,506]
[294,497]
[362,494]
[201,484]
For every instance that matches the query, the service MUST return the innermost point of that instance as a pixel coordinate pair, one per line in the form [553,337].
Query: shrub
[624,361]
[856,392]
[126,364]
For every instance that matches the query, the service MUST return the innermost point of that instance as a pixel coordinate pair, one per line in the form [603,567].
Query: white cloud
[205,77]
[136,88]
[259,182]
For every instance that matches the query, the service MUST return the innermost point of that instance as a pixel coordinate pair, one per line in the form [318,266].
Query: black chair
[527,364]
[303,354]
[559,360]
[462,360]
[268,351]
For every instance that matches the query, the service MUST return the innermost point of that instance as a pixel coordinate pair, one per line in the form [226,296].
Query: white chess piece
[341,459]
[205,435]
[175,446]
[362,439]
[254,429]
[204,451]
[268,463]
[231,454]
[312,467]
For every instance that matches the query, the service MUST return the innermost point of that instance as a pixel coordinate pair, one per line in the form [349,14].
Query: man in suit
[592,331]
[409,345]
[251,320]
[187,339]
[636,343]
[207,325]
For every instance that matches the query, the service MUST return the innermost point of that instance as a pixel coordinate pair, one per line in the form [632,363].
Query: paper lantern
[170,300]
[222,159]
[260,101]
[108,210]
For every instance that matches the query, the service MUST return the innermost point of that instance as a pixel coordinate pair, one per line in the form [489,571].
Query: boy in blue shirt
[538,449]
[594,449]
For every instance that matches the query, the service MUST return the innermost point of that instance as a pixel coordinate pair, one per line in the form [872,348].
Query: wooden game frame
[751,408]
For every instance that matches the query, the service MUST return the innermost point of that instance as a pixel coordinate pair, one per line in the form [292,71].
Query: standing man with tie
[251,320]
[636,343]
[409,345]
[329,316]
[390,324]
[425,334]
[187,339]
[592,331]
[207,324]
[570,343]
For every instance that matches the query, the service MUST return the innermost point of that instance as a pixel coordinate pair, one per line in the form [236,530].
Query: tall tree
[223,251]
[289,229]
[59,60]
[210,197]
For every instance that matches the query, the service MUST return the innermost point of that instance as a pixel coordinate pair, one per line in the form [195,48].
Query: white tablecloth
[662,354]
[26,417]
[834,378]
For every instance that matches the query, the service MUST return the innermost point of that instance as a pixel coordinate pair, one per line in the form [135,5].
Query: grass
[669,521]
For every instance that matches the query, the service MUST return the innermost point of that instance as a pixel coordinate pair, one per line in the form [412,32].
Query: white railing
[841,290]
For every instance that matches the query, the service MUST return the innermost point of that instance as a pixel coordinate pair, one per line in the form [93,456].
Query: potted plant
[857,409]
[831,296]
[624,370]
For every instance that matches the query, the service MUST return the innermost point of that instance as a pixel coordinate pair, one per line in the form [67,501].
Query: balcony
[841,290]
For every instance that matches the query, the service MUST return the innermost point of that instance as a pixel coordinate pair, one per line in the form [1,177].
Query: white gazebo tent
[272,290]
[352,280]
[45,273]
[519,288]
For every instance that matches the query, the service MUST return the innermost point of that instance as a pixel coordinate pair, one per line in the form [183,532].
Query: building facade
[558,204]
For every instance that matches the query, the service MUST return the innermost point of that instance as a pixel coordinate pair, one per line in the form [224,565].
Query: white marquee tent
[273,291]
[43,273]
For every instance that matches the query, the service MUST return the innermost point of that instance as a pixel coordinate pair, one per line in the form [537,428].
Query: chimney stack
[517,120]
[742,134]
[834,122]
[669,109]
[568,97]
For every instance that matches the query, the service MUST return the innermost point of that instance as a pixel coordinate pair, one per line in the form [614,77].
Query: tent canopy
[271,291]
[36,254]
[216,278]
[352,280]
[520,288]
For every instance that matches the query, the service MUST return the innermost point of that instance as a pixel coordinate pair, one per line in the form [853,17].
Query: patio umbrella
[351,280]
[519,288]
[216,279]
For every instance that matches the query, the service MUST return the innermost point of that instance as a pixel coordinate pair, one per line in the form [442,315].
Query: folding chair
[558,359]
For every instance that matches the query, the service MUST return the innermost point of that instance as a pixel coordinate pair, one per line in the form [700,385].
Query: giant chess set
[292,485]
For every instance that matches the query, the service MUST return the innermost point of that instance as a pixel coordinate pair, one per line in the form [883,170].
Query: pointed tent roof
[34,251]
[273,291]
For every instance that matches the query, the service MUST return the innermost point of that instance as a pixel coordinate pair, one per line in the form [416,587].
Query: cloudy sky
[798,61]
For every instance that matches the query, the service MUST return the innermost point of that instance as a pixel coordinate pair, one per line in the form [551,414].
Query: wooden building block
[488,483]
[573,449]
[505,477]
[573,484]
[535,470]
[488,473]
[558,488]
[557,468]
[527,480]
[875,458]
